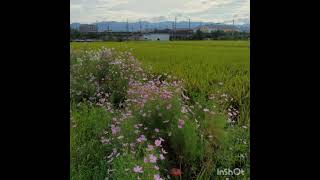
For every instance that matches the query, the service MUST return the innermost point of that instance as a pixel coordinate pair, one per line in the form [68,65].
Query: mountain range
[145,25]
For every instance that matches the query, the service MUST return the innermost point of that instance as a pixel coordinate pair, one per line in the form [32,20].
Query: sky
[222,11]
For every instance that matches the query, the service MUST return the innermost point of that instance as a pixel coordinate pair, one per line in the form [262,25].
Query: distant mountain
[122,26]
[145,25]
[244,27]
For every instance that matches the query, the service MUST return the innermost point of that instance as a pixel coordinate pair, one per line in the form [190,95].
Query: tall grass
[87,152]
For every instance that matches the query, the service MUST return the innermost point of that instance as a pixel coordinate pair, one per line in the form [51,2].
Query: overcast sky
[89,11]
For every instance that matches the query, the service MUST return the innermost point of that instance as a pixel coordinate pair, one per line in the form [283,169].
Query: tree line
[221,35]
[198,35]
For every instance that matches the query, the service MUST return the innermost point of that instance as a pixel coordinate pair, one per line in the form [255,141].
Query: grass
[215,75]
[87,152]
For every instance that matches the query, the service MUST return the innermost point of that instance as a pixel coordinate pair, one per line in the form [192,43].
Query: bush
[96,73]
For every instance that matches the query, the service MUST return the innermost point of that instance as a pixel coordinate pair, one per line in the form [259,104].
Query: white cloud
[88,11]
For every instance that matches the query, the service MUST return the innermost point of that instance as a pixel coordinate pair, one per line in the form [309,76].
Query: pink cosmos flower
[115,129]
[150,147]
[157,142]
[157,177]
[153,158]
[138,169]
[162,157]
[181,123]
[141,138]
[156,130]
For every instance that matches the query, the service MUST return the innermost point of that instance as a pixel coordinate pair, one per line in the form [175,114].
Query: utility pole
[127,27]
[97,25]
[189,28]
[140,26]
[175,27]
[172,31]
[233,27]
[127,36]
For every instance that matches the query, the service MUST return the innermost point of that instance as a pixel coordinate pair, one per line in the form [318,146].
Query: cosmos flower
[162,157]
[115,130]
[142,138]
[181,123]
[157,177]
[153,158]
[157,142]
[138,169]
[150,147]
[156,130]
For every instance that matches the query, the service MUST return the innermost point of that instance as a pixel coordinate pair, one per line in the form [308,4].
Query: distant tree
[198,35]
[74,34]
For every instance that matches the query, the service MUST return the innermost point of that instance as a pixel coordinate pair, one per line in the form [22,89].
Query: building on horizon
[181,34]
[88,28]
[216,27]
[156,37]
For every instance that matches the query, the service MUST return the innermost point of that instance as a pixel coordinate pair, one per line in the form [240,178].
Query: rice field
[204,65]
[212,82]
